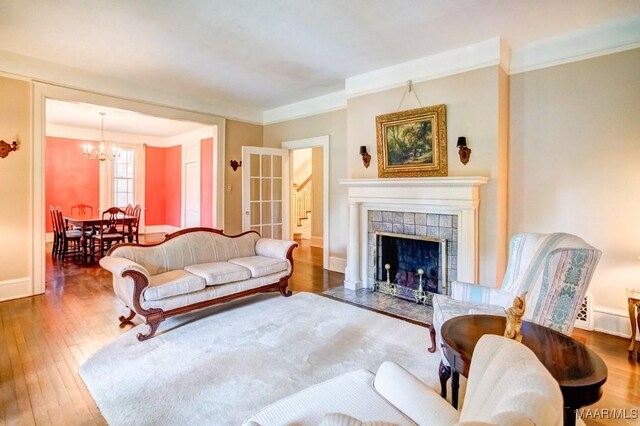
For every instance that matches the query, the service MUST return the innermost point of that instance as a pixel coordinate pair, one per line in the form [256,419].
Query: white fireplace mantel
[459,195]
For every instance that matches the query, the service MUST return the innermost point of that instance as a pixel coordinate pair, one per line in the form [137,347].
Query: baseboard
[48,237]
[316,242]
[160,229]
[612,321]
[15,288]
[337,264]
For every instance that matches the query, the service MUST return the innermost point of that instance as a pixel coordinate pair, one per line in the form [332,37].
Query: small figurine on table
[514,318]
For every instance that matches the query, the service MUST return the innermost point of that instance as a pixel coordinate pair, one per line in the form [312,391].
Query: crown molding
[321,104]
[36,70]
[616,36]
[474,56]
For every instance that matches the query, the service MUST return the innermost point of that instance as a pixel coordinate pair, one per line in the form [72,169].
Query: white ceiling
[265,54]
[87,116]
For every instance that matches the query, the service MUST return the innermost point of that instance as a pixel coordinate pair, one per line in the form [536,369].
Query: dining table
[88,222]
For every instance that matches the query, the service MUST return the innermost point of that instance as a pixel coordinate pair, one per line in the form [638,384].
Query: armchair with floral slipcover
[555,270]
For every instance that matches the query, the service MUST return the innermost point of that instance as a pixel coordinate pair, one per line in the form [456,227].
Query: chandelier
[99,153]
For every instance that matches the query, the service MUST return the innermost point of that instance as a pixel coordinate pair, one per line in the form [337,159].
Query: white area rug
[218,366]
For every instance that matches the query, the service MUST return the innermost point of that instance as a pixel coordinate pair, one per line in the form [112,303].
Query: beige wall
[332,124]
[575,149]
[237,134]
[473,110]
[317,191]
[15,192]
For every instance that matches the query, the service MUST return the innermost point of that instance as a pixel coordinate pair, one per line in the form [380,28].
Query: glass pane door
[263,194]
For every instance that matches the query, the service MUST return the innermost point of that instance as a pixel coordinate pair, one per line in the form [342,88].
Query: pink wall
[206,182]
[173,185]
[69,178]
[154,185]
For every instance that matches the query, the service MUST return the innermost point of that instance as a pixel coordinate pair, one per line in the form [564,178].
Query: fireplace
[442,208]
[408,260]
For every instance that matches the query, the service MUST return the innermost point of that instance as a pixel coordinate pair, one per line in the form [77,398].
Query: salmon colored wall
[206,182]
[69,178]
[155,197]
[173,185]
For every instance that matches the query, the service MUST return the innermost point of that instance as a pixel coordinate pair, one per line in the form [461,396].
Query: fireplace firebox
[403,262]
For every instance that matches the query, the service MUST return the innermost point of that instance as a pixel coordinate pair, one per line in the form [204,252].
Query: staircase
[302,200]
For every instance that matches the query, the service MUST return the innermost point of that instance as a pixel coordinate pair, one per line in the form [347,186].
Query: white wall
[574,163]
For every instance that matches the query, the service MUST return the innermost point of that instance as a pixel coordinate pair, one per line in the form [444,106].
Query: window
[123,178]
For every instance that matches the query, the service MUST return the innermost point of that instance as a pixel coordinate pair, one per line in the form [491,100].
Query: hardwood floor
[44,339]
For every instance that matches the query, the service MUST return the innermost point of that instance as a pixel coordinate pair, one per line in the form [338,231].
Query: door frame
[186,149]
[318,141]
[40,92]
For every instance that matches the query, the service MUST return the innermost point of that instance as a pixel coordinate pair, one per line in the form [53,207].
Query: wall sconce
[6,148]
[366,158]
[235,164]
[463,150]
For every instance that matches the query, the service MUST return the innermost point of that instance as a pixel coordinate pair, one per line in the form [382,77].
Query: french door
[265,194]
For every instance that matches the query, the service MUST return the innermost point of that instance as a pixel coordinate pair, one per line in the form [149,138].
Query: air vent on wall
[584,318]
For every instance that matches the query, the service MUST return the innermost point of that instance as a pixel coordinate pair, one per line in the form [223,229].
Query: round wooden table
[580,372]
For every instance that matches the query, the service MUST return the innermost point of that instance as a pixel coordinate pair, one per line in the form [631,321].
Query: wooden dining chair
[135,225]
[70,242]
[129,210]
[82,210]
[55,251]
[109,233]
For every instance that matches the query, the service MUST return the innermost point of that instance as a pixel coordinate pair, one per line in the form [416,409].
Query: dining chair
[128,210]
[82,209]
[55,250]
[110,231]
[70,241]
[135,225]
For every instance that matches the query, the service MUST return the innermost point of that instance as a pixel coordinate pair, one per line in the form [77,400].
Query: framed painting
[413,143]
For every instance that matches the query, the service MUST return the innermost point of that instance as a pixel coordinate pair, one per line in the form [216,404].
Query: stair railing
[303,200]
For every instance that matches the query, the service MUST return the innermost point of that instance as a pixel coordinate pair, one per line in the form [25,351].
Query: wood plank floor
[44,339]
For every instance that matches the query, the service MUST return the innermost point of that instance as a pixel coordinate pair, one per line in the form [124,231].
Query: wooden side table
[633,298]
[580,372]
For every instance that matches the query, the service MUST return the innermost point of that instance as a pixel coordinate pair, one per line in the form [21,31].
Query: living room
[544,95]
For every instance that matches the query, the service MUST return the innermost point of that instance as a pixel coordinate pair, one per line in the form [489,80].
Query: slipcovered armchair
[507,386]
[555,270]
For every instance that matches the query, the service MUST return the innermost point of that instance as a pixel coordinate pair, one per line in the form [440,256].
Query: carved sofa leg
[283,288]
[153,322]
[432,334]
[128,318]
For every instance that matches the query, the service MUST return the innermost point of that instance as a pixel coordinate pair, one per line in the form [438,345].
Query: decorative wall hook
[6,148]
[463,150]
[366,158]
[235,164]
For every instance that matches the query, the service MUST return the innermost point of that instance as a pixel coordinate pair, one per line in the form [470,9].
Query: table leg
[455,385]
[569,416]
[632,314]
[444,372]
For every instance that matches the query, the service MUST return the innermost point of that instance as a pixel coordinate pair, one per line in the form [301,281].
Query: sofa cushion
[261,265]
[172,283]
[216,273]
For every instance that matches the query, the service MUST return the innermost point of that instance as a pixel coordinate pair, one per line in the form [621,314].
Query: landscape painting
[412,143]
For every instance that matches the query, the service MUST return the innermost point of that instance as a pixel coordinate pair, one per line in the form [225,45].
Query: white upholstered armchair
[555,270]
[507,386]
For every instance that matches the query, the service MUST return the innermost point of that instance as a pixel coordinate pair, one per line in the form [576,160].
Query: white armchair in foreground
[507,386]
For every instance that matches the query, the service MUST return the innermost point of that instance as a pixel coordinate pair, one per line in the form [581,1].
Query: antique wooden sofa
[195,268]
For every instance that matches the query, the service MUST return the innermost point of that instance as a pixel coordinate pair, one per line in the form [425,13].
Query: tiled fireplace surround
[444,207]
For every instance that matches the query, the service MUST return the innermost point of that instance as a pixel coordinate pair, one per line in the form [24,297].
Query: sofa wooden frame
[155,316]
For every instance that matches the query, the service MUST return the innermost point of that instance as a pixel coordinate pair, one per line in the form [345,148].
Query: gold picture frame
[413,143]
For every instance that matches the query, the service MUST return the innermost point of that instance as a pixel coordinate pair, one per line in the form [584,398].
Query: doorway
[43,93]
[309,211]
